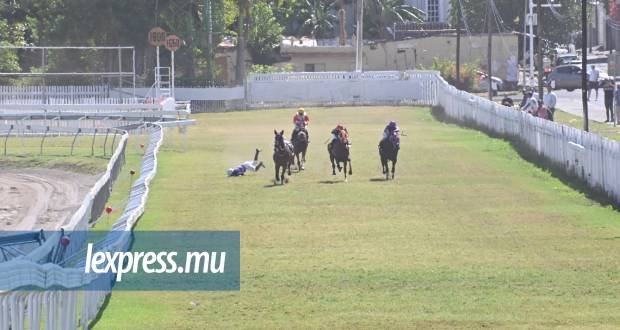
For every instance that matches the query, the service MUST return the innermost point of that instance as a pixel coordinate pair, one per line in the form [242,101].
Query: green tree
[265,34]
[320,21]
[381,14]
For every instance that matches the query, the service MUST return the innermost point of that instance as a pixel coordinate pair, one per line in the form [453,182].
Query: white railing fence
[589,157]
[592,158]
[75,307]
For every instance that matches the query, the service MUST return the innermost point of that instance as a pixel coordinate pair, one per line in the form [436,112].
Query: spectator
[550,100]
[593,81]
[617,94]
[531,105]
[608,90]
[508,102]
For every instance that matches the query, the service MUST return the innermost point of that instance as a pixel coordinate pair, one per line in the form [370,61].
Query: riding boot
[256,154]
[259,166]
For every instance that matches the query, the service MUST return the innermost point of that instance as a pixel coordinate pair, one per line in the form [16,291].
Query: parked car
[566,59]
[496,83]
[565,77]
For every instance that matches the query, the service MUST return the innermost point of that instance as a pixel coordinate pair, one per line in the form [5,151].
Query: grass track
[468,235]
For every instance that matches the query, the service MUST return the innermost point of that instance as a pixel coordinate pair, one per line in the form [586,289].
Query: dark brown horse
[282,155]
[300,144]
[339,153]
[388,151]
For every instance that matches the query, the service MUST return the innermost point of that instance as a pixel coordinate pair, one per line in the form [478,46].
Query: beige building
[402,54]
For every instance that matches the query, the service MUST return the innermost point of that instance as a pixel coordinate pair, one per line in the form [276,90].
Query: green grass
[25,152]
[469,235]
[606,130]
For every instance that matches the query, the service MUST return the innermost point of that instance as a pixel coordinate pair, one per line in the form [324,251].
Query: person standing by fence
[608,90]
[550,100]
[593,81]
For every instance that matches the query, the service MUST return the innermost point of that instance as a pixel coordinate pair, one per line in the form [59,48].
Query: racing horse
[300,145]
[339,153]
[282,155]
[388,151]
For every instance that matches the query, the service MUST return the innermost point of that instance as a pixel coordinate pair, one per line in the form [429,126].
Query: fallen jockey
[253,165]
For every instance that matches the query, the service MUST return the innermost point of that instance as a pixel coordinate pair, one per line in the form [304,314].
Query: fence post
[113,140]
[92,145]
[6,139]
[105,141]
[47,128]
[75,138]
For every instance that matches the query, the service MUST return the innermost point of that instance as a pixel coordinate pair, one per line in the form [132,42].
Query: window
[432,11]
[309,67]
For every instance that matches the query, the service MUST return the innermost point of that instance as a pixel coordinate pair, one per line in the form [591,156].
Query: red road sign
[157,36]
[173,43]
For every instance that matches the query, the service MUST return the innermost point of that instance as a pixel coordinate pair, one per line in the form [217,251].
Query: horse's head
[344,137]
[279,140]
[395,139]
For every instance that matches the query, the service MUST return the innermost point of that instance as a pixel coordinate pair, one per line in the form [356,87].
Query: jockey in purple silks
[253,165]
[390,129]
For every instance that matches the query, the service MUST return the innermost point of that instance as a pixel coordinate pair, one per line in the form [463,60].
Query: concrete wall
[416,53]
[407,54]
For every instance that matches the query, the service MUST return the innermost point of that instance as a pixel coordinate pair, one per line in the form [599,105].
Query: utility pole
[531,21]
[209,27]
[584,62]
[539,41]
[360,36]
[489,50]
[458,47]
[525,19]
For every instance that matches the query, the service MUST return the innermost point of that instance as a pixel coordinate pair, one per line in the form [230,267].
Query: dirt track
[40,198]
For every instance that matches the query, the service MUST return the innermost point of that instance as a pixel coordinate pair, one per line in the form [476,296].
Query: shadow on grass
[378,180]
[101,310]
[331,181]
[556,170]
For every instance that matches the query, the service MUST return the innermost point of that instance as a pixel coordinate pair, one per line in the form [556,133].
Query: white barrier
[594,159]
[60,309]
[590,157]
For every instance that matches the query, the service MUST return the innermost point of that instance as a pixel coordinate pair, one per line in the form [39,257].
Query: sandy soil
[40,198]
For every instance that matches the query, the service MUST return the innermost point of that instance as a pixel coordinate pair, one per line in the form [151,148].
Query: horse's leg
[350,167]
[282,176]
[345,170]
[331,159]
[303,159]
[393,167]
[298,162]
[288,165]
[277,172]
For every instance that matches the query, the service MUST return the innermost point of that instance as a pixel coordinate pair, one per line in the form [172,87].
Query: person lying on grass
[253,165]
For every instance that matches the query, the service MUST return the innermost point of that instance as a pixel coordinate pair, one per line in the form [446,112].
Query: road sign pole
[172,73]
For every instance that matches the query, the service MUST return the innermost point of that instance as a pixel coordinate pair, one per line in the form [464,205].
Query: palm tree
[380,14]
[321,20]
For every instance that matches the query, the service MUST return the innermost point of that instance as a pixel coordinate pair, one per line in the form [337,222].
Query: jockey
[253,165]
[390,129]
[337,132]
[301,120]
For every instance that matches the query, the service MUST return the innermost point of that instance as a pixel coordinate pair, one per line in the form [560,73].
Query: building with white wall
[437,11]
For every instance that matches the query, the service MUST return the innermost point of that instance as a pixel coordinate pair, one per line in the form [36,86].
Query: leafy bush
[447,69]
[259,68]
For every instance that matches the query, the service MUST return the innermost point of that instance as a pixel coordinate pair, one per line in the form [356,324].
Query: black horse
[339,152]
[300,144]
[282,155]
[388,151]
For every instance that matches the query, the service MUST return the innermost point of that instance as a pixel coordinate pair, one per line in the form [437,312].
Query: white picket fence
[590,157]
[593,159]
[62,95]
[74,307]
